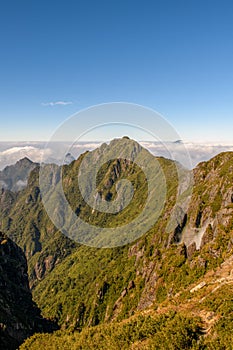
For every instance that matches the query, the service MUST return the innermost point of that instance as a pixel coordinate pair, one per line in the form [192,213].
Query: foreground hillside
[200,317]
[19,315]
[169,289]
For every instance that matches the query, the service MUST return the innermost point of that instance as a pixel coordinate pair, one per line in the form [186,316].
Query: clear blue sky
[175,56]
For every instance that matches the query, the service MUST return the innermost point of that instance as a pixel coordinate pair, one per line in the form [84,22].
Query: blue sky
[173,56]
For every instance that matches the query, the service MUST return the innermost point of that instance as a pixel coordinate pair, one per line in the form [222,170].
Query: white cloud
[16,150]
[89,146]
[198,152]
[187,153]
[10,153]
[57,103]
[13,154]
[20,184]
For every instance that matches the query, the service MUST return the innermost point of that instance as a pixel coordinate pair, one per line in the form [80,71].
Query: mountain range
[169,287]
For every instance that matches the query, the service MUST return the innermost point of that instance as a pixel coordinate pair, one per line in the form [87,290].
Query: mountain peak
[14,177]
[25,160]
[68,158]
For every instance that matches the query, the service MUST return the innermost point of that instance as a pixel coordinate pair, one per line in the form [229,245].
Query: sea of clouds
[11,152]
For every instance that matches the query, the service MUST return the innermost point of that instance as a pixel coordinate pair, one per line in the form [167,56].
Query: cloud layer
[196,152]
[11,152]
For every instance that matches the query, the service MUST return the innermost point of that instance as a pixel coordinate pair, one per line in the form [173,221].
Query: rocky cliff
[19,315]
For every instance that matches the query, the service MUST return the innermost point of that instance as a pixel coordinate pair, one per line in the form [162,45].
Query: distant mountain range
[171,288]
[14,177]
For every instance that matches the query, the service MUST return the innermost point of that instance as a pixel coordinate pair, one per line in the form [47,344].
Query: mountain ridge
[83,287]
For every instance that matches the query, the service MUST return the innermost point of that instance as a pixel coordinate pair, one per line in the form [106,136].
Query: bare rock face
[19,315]
[46,265]
[207,236]
[191,250]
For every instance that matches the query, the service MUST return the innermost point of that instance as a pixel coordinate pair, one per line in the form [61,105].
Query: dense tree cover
[96,294]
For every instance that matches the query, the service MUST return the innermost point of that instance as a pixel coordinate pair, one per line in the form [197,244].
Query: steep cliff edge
[19,315]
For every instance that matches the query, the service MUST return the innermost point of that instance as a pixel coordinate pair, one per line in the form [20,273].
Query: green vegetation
[138,295]
[169,331]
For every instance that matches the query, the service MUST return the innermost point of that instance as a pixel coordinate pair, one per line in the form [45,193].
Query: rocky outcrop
[19,315]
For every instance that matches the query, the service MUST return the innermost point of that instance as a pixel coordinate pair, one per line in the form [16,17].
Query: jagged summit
[24,160]
[14,177]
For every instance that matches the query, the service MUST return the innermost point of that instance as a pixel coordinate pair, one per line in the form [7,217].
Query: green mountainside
[171,288]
